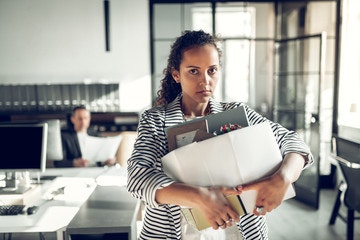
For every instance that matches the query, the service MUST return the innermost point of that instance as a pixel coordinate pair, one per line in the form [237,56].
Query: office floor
[296,221]
[292,220]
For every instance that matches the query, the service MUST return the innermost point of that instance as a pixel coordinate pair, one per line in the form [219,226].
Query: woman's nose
[205,79]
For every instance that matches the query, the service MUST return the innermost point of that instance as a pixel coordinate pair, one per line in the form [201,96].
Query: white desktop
[60,199]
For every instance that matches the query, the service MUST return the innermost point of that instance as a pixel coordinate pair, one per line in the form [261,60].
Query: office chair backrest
[347,154]
[126,147]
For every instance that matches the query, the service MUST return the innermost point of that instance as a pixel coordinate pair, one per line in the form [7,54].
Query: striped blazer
[145,173]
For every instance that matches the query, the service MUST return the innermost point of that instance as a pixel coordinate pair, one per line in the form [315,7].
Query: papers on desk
[99,149]
[70,189]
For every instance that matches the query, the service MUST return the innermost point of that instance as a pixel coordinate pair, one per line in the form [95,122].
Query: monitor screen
[23,147]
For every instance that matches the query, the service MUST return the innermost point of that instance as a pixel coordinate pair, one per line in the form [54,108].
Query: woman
[191,76]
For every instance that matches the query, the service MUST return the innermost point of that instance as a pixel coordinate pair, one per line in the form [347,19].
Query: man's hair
[80,107]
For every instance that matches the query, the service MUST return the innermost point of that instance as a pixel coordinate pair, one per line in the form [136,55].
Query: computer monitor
[22,149]
[54,151]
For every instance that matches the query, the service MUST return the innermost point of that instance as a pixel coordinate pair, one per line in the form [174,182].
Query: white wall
[58,41]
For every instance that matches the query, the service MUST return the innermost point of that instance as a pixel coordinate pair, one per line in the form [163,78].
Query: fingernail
[239,188]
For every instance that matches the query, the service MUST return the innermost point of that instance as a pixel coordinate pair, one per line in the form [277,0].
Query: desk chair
[126,147]
[347,155]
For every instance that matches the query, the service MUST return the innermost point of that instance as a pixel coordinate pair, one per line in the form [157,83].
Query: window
[238,48]
[349,80]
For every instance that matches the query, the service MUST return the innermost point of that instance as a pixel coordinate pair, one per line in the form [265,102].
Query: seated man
[74,141]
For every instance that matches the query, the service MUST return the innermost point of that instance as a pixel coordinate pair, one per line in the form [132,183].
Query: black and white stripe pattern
[145,174]
[253,227]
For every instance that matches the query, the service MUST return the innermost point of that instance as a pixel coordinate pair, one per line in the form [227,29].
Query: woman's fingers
[232,191]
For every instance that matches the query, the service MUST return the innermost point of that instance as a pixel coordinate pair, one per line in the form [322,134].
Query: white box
[237,157]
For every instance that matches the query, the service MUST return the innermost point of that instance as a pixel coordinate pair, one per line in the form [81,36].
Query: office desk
[52,215]
[55,215]
[109,210]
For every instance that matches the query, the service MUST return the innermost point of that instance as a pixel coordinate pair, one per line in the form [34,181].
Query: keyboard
[11,209]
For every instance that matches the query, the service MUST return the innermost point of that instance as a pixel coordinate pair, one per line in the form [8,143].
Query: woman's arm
[145,174]
[210,201]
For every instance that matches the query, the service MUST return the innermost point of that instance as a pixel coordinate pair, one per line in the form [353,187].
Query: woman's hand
[211,201]
[270,192]
[215,207]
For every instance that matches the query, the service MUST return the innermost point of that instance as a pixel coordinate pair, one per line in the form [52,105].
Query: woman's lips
[205,92]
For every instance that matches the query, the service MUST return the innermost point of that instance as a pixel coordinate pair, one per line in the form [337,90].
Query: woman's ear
[175,74]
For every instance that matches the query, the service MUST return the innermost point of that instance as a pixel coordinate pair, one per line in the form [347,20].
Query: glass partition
[299,77]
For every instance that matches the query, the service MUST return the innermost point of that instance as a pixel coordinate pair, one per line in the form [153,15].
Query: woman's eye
[212,70]
[193,71]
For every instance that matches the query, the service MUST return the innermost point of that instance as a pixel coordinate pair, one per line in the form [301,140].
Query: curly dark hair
[189,39]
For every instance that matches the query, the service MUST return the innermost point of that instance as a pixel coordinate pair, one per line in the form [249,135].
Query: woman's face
[199,74]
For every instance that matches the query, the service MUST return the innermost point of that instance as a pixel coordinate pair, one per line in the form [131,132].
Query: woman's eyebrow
[191,66]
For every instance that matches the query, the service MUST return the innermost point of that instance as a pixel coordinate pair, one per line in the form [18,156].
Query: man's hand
[110,162]
[80,162]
